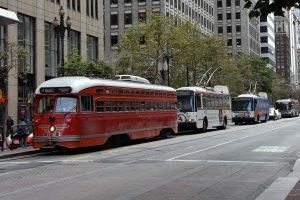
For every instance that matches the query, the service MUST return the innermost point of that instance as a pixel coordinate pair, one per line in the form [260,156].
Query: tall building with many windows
[35,33]
[232,22]
[123,14]
[267,40]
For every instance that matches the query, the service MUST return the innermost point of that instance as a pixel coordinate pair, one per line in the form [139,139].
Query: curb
[16,153]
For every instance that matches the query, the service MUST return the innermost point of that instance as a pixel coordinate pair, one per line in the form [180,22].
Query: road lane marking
[225,161]
[224,143]
[271,149]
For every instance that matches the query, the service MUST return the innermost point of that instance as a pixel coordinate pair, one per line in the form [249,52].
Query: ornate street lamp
[60,28]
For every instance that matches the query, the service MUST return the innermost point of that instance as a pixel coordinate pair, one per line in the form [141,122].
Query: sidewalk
[7,153]
[284,188]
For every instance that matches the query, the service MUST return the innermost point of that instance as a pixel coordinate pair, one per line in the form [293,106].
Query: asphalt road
[237,163]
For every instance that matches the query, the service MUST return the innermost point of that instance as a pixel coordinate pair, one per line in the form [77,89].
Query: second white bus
[202,108]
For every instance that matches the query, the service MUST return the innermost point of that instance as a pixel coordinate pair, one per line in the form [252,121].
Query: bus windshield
[185,103]
[282,106]
[242,105]
[66,104]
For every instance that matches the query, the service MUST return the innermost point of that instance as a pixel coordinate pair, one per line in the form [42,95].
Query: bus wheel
[204,129]
[224,123]
[257,120]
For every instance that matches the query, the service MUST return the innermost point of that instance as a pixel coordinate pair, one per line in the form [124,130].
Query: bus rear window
[46,104]
[66,104]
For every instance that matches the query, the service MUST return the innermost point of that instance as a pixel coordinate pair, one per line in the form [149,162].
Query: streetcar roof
[79,83]
[249,95]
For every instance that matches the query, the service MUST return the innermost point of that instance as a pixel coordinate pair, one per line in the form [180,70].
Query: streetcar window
[99,91]
[87,103]
[115,106]
[132,105]
[142,105]
[108,106]
[107,91]
[100,106]
[121,106]
[46,104]
[66,104]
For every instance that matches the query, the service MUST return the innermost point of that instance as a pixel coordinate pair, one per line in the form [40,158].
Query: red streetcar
[77,112]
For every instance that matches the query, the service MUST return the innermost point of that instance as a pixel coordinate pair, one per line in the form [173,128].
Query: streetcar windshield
[46,104]
[242,105]
[185,103]
[66,104]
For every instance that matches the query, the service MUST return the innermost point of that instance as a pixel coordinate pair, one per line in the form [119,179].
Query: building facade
[232,22]
[123,14]
[35,33]
[283,47]
[267,40]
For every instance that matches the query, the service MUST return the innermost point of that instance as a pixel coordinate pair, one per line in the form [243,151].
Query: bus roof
[201,89]
[79,83]
[251,96]
[286,100]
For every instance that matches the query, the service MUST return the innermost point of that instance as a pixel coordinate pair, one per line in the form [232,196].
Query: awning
[7,17]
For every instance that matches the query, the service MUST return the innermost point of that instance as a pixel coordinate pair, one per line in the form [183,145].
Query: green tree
[75,66]
[265,7]
[144,46]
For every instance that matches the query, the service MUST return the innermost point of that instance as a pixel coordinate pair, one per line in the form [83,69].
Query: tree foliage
[13,57]
[194,59]
[75,66]
[265,7]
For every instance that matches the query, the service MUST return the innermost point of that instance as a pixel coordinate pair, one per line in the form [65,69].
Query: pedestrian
[22,133]
[9,124]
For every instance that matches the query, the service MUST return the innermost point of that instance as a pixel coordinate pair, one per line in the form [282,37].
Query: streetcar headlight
[52,128]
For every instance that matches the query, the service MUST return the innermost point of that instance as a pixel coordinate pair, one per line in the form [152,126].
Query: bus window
[198,101]
[66,104]
[46,104]
[86,103]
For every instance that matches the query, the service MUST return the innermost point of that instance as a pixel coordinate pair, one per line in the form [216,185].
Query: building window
[114,20]
[73,5]
[78,5]
[237,2]
[228,16]
[229,42]
[88,7]
[238,41]
[114,40]
[3,40]
[113,2]
[264,49]
[96,9]
[92,48]
[220,29]
[229,29]
[228,3]
[50,52]
[219,4]
[238,15]
[142,16]
[238,28]
[128,18]
[68,4]
[74,41]
[92,8]
[263,29]
[127,1]
[264,39]
[220,16]
[26,39]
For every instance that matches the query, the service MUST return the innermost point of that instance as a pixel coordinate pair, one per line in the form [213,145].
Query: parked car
[12,141]
[274,114]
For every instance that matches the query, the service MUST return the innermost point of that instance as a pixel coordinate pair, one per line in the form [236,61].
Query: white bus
[203,108]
